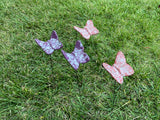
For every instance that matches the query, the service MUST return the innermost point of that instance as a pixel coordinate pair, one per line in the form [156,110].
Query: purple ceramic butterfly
[51,45]
[77,56]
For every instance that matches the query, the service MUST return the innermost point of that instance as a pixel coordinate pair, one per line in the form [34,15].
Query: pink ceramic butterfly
[120,68]
[77,56]
[88,30]
[51,45]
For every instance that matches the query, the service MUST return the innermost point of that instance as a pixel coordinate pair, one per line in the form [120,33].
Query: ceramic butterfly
[77,56]
[120,68]
[88,30]
[51,45]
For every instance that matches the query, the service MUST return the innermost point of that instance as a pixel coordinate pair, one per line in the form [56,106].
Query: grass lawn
[37,86]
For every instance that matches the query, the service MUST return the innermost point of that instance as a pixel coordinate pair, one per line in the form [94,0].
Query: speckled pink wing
[114,73]
[90,28]
[120,59]
[83,32]
[120,68]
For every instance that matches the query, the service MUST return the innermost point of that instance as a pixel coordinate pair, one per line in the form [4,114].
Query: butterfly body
[51,45]
[88,30]
[77,56]
[120,68]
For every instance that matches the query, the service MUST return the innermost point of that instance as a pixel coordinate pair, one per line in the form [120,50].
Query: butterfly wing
[83,32]
[114,73]
[122,66]
[90,28]
[71,59]
[83,58]
[55,43]
[54,35]
[79,53]
[120,59]
[126,70]
[45,46]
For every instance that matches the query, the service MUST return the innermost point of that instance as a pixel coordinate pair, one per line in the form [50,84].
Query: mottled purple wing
[79,53]
[51,44]
[45,46]
[77,56]
[71,59]
[54,35]
[55,43]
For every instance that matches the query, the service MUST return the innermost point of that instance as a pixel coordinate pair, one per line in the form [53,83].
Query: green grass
[36,86]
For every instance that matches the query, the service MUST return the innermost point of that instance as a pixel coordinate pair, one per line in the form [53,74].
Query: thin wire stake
[80,82]
[52,80]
